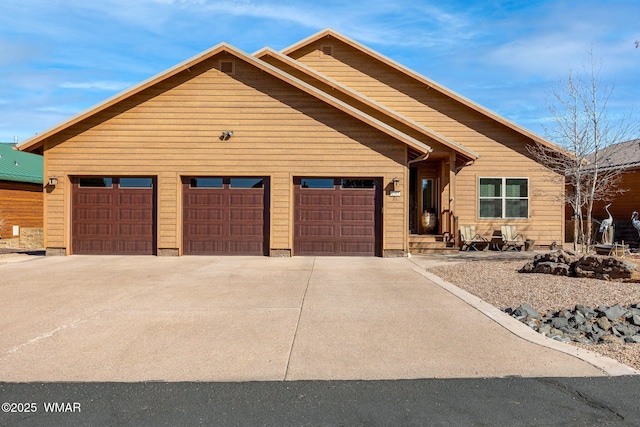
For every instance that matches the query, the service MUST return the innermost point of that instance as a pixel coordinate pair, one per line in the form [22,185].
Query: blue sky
[60,57]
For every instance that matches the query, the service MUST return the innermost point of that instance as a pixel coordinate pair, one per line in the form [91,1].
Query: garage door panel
[315,200]
[144,215]
[357,248]
[222,220]
[94,199]
[315,215]
[245,231]
[348,230]
[203,214]
[246,215]
[251,200]
[357,200]
[94,214]
[315,230]
[357,216]
[134,197]
[318,248]
[337,219]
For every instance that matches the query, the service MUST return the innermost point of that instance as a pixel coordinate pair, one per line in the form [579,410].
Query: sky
[60,57]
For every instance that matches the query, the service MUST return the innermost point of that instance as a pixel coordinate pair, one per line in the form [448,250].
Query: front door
[424,196]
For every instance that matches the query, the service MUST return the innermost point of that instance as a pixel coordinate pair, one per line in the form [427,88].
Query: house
[625,156]
[324,148]
[21,196]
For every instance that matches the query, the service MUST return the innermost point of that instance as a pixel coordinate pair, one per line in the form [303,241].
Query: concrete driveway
[117,318]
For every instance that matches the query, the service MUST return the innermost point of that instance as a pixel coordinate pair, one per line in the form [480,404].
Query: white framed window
[501,197]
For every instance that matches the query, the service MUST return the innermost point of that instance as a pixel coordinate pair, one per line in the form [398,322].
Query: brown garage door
[334,216]
[225,216]
[113,215]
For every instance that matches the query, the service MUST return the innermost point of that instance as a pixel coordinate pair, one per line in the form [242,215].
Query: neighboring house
[323,148]
[21,192]
[625,156]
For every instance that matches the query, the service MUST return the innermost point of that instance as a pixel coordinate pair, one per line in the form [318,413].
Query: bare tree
[581,126]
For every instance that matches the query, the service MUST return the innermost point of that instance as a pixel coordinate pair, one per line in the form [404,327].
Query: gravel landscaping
[499,283]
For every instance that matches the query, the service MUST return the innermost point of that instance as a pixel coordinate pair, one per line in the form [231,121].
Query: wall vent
[227,67]
[327,50]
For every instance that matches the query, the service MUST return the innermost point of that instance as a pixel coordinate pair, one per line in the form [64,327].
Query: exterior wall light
[53,180]
[226,135]
[395,182]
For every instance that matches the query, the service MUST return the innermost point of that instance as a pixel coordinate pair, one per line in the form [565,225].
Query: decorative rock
[577,319]
[559,322]
[615,312]
[603,323]
[591,266]
[584,324]
[527,311]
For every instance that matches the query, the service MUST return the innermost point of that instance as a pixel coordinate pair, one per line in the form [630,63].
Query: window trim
[503,197]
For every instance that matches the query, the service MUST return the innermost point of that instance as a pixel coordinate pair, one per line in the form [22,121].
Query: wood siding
[20,204]
[502,150]
[172,130]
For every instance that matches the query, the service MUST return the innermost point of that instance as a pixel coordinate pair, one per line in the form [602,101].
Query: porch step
[430,244]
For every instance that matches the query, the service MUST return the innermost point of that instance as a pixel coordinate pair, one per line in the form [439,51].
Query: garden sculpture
[635,221]
[605,224]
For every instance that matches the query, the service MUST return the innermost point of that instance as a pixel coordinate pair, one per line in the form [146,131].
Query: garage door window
[205,183]
[136,183]
[317,183]
[96,182]
[246,183]
[358,183]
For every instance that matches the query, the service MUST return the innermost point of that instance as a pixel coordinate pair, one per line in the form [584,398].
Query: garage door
[225,216]
[334,216]
[113,215]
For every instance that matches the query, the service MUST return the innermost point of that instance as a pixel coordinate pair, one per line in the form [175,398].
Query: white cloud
[111,86]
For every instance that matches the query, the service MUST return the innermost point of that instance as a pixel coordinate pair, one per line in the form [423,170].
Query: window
[504,198]
[96,182]
[358,183]
[246,183]
[205,182]
[317,183]
[136,182]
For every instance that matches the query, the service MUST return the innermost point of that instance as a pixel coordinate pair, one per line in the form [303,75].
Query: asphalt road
[602,401]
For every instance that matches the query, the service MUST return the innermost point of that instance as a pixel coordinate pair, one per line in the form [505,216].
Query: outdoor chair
[511,239]
[469,239]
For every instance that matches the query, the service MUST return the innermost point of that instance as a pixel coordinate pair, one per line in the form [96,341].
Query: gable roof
[17,166]
[419,77]
[37,141]
[366,101]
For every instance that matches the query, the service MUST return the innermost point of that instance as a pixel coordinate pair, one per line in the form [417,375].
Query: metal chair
[469,239]
[511,239]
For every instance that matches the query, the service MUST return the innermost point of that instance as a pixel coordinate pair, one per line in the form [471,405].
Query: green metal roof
[19,166]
